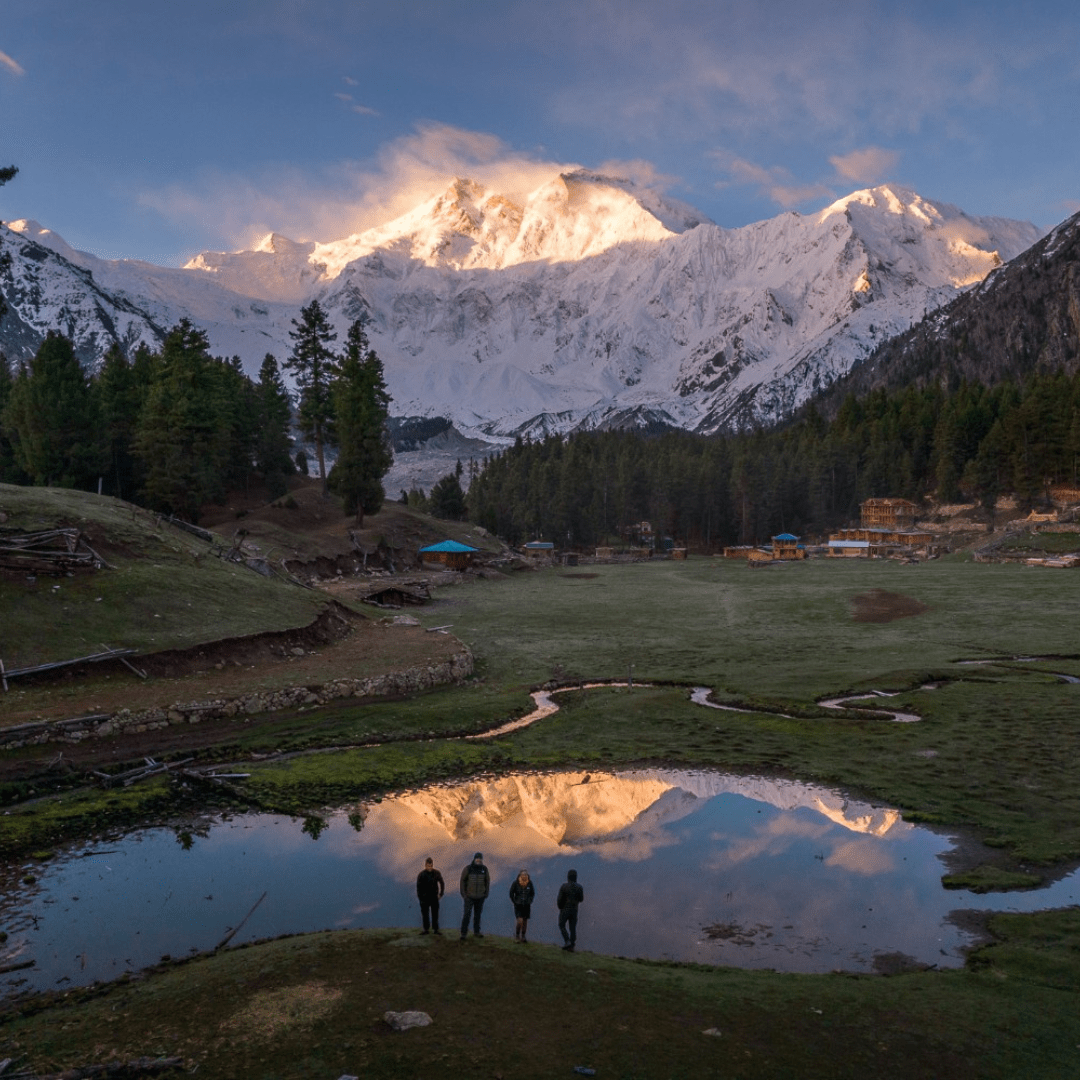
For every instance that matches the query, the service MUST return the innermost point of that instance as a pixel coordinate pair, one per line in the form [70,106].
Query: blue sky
[155,129]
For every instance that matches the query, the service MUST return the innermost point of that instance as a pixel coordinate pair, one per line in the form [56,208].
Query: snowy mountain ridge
[589,302]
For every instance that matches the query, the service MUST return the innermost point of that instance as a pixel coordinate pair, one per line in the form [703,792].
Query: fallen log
[143,1066]
[94,658]
[228,937]
[21,966]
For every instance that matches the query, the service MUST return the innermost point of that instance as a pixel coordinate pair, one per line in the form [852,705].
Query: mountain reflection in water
[679,865]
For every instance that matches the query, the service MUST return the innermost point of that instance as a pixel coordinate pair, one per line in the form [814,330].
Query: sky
[155,130]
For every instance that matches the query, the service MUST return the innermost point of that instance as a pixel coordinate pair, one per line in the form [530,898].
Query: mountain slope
[590,302]
[1023,317]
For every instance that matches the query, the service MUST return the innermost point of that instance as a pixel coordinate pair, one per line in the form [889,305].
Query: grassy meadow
[993,758]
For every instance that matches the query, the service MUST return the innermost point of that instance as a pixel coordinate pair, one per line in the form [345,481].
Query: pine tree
[51,418]
[273,450]
[447,500]
[361,405]
[10,473]
[121,395]
[183,437]
[315,367]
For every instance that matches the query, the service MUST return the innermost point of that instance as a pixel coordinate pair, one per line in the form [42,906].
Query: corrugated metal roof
[448,545]
[785,536]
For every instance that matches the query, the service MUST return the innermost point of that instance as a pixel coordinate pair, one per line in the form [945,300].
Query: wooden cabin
[786,546]
[539,549]
[450,554]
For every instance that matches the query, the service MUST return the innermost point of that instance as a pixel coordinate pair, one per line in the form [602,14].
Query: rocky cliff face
[1023,317]
[590,302]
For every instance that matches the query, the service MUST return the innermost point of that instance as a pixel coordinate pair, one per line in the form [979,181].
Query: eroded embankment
[456,668]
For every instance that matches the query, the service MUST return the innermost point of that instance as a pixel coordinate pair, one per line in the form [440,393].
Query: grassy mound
[167,591]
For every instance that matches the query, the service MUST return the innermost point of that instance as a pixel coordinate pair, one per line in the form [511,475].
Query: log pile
[52,551]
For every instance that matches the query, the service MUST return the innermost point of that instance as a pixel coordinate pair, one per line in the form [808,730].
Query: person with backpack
[522,894]
[429,890]
[474,886]
[571,894]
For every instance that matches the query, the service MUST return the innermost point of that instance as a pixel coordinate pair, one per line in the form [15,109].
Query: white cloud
[799,69]
[773,182]
[865,166]
[12,65]
[350,197]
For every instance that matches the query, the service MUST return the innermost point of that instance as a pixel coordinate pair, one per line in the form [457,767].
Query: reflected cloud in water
[678,865]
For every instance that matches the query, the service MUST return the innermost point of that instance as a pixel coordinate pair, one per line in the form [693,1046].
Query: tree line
[178,428]
[968,441]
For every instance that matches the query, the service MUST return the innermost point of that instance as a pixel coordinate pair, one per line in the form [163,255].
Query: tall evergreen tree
[121,395]
[315,368]
[361,404]
[10,473]
[182,437]
[273,446]
[51,418]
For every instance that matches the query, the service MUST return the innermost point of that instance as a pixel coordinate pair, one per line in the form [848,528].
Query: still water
[675,865]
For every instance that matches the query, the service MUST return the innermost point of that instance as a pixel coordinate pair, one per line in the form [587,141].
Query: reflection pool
[676,865]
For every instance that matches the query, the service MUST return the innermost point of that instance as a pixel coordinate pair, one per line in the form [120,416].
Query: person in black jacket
[429,890]
[475,885]
[570,895]
[522,894]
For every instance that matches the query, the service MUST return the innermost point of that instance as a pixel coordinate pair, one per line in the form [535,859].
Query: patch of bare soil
[580,577]
[881,606]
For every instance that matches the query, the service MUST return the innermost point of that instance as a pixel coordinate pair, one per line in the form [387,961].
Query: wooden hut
[449,553]
[786,546]
[539,549]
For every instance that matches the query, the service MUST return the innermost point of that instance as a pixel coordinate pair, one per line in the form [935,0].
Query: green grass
[166,592]
[783,634]
[1053,543]
[994,754]
[314,1006]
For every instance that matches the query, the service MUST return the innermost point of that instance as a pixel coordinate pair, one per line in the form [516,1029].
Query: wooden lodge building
[786,546]
[449,553]
[887,514]
[887,527]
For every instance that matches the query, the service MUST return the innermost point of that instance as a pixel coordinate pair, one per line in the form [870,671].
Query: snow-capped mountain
[590,302]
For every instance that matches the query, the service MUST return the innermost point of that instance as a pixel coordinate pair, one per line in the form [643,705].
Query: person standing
[475,885]
[571,894]
[429,890]
[522,894]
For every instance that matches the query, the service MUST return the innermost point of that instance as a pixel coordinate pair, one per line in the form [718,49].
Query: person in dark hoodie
[571,894]
[522,894]
[429,889]
[474,886]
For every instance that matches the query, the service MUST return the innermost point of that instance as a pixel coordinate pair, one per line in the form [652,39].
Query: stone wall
[413,680]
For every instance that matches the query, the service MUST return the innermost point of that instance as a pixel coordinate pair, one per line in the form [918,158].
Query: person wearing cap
[475,885]
[429,889]
[570,895]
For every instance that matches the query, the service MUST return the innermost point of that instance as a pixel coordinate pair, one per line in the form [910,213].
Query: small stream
[677,865]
